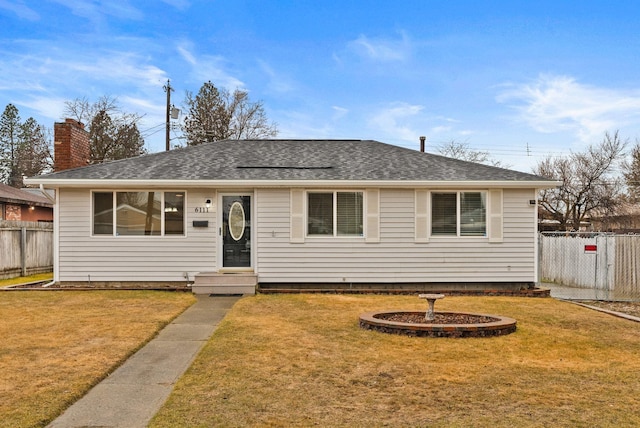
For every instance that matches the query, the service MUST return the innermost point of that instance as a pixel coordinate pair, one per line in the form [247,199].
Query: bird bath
[437,324]
[431,298]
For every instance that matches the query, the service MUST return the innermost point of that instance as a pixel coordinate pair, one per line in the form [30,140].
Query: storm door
[236,231]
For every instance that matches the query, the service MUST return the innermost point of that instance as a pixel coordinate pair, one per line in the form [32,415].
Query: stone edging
[500,327]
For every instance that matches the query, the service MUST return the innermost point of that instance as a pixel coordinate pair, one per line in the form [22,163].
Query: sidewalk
[574,293]
[132,394]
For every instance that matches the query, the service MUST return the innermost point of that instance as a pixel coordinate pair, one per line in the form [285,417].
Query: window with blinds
[349,213]
[335,213]
[473,214]
[458,214]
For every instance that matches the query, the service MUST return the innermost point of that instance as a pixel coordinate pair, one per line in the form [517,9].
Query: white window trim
[458,216]
[114,219]
[335,214]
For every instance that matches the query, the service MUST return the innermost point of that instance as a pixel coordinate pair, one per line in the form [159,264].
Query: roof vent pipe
[422,140]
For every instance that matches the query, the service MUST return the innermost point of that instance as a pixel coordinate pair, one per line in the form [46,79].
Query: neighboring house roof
[278,161]
[12,195]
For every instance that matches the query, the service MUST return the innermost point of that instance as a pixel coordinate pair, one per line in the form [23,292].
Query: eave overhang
[246,184]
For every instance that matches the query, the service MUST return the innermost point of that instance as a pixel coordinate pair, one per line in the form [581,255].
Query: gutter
[165,183]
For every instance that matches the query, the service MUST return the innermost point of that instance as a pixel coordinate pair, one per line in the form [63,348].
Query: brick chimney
[71,145]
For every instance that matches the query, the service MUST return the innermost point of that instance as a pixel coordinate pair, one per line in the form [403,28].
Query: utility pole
[167,88]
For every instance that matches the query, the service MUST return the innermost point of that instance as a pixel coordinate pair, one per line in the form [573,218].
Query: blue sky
[519,79]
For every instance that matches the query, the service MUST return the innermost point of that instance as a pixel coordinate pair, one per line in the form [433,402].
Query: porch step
[225,283]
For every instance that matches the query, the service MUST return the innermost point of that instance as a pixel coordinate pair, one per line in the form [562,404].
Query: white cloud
[296,124]
[178,4]
[49,107]
[208,67]
[395,120]
[385,50]
[97,10]
[440,129]
[339,112]
[277,82]
[561,104]
[20,9]
[184,49]
[119,67]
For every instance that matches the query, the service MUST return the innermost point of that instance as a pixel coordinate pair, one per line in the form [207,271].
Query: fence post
[23,251]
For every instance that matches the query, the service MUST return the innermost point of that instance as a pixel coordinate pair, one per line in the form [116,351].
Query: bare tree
[462,151]
[113,134]
[631,171]
[216,114]
[588,183]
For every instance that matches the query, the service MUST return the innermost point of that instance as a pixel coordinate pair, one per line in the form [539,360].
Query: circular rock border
[501,326]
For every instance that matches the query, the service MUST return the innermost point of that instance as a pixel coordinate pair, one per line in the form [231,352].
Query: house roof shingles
[256,160]
[12,195]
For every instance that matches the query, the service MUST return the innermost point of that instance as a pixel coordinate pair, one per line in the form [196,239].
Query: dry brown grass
[56,345]
[302,360]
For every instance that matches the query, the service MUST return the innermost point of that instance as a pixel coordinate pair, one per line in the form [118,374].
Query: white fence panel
[590,261]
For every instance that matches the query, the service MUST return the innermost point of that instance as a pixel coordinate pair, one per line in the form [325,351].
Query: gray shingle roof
[294,160]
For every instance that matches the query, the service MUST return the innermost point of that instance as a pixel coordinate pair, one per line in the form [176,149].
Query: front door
[236,231]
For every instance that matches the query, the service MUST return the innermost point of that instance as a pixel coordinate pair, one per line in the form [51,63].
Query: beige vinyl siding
[133,258]
[398,256]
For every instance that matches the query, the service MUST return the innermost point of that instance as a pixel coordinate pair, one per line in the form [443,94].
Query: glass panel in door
[236,231]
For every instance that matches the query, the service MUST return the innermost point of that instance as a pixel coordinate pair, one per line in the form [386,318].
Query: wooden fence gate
[590,260]
[26,248]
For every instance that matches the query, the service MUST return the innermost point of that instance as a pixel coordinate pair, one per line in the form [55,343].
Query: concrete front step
[225,283]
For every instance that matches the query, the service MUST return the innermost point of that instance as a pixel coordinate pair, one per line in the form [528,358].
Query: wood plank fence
[26,248]
[594,261]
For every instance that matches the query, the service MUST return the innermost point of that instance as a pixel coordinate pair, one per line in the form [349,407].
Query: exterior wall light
[207,203]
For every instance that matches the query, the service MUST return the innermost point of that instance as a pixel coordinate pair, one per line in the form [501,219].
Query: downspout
[55,234]
[46,194]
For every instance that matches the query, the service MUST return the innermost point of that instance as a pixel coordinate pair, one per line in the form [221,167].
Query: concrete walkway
[574,293]
[132,394]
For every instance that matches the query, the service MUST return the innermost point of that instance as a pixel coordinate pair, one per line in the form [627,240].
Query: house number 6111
[202,209]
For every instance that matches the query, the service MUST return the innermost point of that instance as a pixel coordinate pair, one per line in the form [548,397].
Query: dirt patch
[629,308]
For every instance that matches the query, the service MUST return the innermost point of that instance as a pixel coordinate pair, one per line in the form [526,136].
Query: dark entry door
[236,231]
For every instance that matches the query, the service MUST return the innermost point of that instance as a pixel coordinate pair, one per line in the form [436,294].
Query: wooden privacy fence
[26,248]
[587,260]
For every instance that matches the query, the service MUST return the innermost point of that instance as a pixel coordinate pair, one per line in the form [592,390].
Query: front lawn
[302,360]
[57,344]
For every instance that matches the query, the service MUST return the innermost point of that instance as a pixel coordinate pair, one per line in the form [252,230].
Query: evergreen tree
[34,153]
[24,148]
[216,114]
